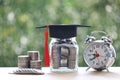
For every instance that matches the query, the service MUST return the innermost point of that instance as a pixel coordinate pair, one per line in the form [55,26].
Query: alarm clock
[99,54]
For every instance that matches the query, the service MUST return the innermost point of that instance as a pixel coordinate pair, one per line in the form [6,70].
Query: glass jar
[63,55]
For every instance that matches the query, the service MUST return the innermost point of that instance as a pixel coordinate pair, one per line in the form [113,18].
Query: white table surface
[113,74]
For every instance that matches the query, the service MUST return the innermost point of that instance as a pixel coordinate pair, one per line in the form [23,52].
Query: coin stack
[23,61]
[35,64]
[30,61]
[34,55]
[34,59]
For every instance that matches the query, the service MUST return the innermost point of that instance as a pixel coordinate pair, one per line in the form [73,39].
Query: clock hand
[94,56]
[97,55]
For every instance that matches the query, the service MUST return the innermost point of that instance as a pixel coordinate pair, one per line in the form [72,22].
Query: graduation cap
[61,31]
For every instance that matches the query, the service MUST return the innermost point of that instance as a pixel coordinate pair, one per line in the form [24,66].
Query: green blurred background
[18,19]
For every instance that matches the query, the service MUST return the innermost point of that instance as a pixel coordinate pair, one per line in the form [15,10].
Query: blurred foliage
[18,19]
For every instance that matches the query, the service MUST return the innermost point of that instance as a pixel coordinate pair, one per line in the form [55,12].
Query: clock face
[96,55]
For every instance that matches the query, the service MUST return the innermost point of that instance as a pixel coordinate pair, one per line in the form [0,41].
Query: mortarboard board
[63,31]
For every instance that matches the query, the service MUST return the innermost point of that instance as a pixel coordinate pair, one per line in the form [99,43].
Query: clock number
[102,62]
[97,63]
[91,50]
[97,46]
[93,47]
[89,54]
[105,59]
[93,62]
[105,50]
[102,46]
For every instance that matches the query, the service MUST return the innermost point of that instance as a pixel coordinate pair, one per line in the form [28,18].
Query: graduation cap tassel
[46,49]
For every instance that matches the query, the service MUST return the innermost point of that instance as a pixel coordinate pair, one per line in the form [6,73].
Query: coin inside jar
[71,64]
[72,56]
[65,51]
[55,57]
[64,62]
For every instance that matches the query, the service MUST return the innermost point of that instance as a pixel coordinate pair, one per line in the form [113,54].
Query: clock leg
[87,68]
[107,70]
